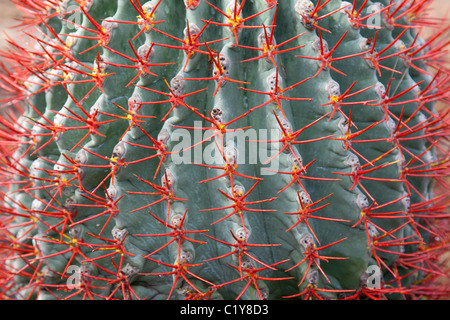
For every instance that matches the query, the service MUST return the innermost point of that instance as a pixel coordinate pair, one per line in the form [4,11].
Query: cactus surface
[225,149]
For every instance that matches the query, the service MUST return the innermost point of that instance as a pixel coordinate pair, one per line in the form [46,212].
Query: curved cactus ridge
[224,150]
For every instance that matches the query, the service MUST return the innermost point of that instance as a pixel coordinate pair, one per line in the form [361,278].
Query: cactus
[225,149]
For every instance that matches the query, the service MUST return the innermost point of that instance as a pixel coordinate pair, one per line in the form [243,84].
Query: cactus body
[224,149]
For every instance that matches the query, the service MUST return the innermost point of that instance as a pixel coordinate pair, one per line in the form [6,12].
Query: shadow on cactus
[224,150]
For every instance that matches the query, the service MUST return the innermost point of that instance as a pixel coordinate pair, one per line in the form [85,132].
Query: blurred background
[8,16]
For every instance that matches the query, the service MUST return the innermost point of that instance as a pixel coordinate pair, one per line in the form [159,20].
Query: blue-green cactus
[224,149]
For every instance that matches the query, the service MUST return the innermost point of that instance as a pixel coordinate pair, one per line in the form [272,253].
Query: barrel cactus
[224,149]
